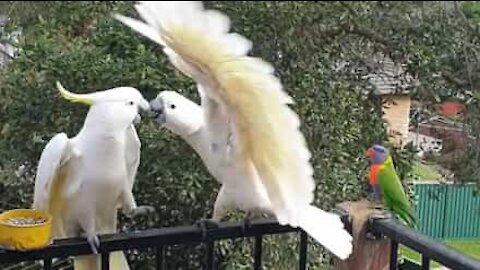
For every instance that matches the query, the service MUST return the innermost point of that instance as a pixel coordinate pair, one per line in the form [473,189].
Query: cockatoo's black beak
[157,111]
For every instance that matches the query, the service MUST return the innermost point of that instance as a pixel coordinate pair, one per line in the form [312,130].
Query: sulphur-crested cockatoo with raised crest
[83,181]
[244,131]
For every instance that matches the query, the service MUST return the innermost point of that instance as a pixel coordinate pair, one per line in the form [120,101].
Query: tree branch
[447,75]
[372,35]
[388,47]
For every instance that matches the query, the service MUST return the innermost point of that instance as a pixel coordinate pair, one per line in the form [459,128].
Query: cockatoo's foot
[93,241]
[205,225]
[142,210]
[247,223]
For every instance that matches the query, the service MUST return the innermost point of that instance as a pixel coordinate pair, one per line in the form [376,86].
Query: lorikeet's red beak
[370,153]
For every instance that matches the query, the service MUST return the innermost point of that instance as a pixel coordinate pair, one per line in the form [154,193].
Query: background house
[393,85]
[424,143]
[453,134]
[7,51]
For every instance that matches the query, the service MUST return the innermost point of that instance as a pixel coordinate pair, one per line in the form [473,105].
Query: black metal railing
[429,249]
[160,238]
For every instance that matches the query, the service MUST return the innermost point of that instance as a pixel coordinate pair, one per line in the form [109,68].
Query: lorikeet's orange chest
[372,176]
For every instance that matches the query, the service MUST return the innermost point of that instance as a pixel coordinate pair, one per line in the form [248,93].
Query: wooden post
[368,253]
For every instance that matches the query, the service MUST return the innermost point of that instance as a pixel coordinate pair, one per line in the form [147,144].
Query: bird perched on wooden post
[386,184]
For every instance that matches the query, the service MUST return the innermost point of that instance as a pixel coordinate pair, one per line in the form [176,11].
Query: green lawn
[471,247]
[468,247]
[425,172]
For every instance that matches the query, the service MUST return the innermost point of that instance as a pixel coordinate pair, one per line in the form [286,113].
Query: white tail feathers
[328,230]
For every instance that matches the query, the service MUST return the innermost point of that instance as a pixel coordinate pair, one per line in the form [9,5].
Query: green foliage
[470,248]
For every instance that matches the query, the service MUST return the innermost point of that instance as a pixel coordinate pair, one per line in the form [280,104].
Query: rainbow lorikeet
[385,183]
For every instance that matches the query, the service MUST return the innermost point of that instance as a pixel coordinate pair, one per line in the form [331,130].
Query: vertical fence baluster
[257,263]
[47,263]
[393,255]
[210,254]
[303,251]
[105,261]
[160,257]
[425,262]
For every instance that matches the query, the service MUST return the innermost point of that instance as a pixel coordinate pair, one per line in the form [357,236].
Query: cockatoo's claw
[205,225]
[247,223]
[142,210]
[208,223]
[94,242]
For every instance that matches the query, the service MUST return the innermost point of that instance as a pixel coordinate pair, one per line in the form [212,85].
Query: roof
[7,51]
[451,108]
[391,77]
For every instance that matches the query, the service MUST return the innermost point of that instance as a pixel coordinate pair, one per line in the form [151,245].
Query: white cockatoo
[244,131]
[83,181]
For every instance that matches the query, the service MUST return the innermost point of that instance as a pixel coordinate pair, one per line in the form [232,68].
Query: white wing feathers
[132,154]
[54,156]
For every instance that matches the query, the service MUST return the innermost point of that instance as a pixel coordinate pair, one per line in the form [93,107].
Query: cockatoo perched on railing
[82,181]
[244,131]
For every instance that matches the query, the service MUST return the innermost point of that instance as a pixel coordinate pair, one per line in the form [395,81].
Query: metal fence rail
[159,238]
[427,247]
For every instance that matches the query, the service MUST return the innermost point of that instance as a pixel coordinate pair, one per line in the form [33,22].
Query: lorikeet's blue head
[377,154]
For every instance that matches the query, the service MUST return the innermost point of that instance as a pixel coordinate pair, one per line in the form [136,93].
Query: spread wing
[244,91]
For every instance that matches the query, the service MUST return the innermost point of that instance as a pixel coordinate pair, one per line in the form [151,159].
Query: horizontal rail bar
[426,246]
[161,237]
[148,238]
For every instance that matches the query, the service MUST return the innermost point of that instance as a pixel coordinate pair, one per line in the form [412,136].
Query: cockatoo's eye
[130,103]
[172,106]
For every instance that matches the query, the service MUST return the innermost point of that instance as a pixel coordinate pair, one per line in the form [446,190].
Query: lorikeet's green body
[383,174]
